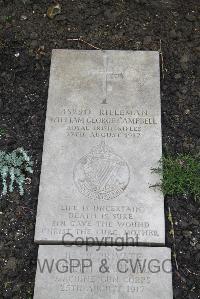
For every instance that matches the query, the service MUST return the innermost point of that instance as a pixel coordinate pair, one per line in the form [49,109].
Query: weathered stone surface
[105,272]
[102,137]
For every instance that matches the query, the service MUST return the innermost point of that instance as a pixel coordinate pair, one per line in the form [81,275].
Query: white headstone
[102,138]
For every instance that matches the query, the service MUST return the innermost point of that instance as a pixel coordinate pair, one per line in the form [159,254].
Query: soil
[27,37]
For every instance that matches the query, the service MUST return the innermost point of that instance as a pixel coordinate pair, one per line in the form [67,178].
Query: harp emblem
[101,174]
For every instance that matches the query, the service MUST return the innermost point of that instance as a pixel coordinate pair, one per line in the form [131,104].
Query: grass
[180,175]
[8,18]
[2,132]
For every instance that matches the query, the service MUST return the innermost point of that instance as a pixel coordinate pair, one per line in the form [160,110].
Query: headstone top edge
[46,245]
[55,51]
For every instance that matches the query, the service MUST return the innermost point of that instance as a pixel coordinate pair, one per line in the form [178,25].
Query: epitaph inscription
[105,272]
[102,138]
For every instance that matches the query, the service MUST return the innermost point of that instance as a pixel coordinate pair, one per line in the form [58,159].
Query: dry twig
[172,232]
[83,41]
[162,60]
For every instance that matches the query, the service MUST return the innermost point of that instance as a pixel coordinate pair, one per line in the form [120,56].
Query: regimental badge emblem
[101,174]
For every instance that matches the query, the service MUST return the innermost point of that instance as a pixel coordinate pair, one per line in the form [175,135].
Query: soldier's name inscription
[109,123]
